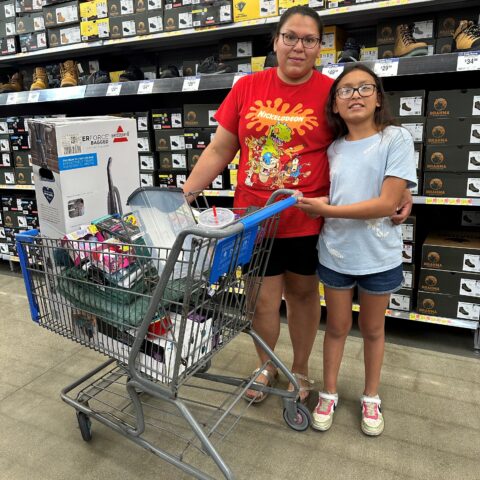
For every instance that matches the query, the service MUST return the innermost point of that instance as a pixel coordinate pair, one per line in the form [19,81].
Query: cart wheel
[85,426]
[205,368]
[302,418]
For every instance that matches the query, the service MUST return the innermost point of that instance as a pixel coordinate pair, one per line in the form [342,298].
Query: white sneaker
[372,417]
[322,417]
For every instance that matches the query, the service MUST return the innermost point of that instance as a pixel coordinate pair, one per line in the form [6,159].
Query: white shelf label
[145,87]
[33,96]
[11,99]
[387,67]
[468,61]
[190,84]
[237,77]
[113,89]
[333,70]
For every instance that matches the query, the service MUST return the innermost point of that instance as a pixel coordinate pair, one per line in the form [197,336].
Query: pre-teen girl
[371,163]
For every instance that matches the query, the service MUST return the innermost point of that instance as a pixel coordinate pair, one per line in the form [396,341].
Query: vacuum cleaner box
[84,168]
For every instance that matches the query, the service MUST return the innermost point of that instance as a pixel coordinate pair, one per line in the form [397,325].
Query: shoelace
[371,409]
[407,33]
[472,31]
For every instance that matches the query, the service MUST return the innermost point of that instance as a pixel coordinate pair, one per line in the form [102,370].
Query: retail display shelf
[10,258]
[465,202]
[17,187]
[416,317]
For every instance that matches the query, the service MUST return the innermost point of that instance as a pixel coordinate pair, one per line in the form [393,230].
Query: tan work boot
[406,45]
[466,37]
[40,80]
[69,74]
[15,84]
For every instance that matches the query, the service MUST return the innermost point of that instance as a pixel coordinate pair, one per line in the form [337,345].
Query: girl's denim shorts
[375,283]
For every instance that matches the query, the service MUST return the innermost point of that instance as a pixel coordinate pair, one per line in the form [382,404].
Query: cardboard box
[7,10]
[154,21]
[93,10]
[5,159]
[386,32]
[333,38]
[409,103]
[19,141]
[453,131]
[142,121]
[143,142]
[254,9]
[64,36]
[27,6]
[166,180]
[165,161]
[147,179]
[9,46]
[24,176]
[200,115]
[198,137]
[7,176]
[401,300]
[368,54]
[415,125]
[408,252]
[449,306]
[447,22]
[180,180]
[443,45]
[456,185]
[93,30]
[470,218]
[454,103]
[204,15]
[452,158]
[167,118]
[71,167]
[169,140]
[31,42]
[452,283]
[408,229]
[120,7]
[177,19]
[408,276]
[235,49]
[30,22]
[173,161]
[125,26]
[454,251]
[8,28]
[169,4]
[192,157]
[5,143]
[257,63]
[239,65]
[61,14]
[17,125]
[147,162]
[386,51]
[284,5]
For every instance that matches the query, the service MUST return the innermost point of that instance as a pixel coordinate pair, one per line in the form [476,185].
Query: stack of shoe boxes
[94,23]
[408,107]
[31,31]
[449,284]
[333,39]
[129,18]
[452,158]
[207,13]
[254,9]
[8,40]
[146,156]
[62,21]
[236,55]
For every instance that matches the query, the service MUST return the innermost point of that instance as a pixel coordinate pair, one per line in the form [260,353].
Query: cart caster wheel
[85,426]
[302,418]
[205,367]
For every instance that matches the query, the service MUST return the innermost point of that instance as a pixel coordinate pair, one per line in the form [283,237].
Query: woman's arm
[218,154]
[383,206]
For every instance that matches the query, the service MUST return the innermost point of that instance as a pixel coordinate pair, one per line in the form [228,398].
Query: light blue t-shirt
[357,171]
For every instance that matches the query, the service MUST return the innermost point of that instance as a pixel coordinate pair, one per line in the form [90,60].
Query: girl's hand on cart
[313,207]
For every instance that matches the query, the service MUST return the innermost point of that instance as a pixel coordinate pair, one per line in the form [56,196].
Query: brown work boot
[466,37]
[406,45]
[69,74]
[15,84]
[40,80]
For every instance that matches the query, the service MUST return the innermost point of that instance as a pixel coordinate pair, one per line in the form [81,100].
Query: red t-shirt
[284,137]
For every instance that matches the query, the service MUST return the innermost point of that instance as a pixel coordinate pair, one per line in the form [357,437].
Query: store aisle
[431,405]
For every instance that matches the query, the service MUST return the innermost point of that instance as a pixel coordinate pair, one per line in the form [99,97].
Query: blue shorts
[376,283]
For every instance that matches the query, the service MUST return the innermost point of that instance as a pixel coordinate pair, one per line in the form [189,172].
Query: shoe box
[284,5]
[27,6]
[61,14]
[408,276]
[408,252]
[142,121]
[9,46]
[409,229]
[453,131]
[448,282]
[198,138]
[418,154]
[447,22]
[424,29]
[221,181]
[385,51]
[93,30]
[7,10]
[131,25]
[6,159]
[231,49]
[205,14]
[31,42]
[93,10]
[454,103]
[453,251]
[64,36]
[401,300]
[147,179]
[148,6]
[169,4]
[443,45]
[7,176]
[333,38]
[173,161]
[452,158]
[254,9]
[14,124]
[8,28]
[238,65]
[258,63]
[74,169]
[190,67]
[17,219]
[20,141]
[24,176]
[167,118]
[193,155]
[22,159]
[469,218]
[143,142]
[415,125]
[168,140]
[5,143]
[406,103]
[200,115]
[180,180]
[147,162]
[449,306]
[166,180]
[177,18]
[154,21]
[117,8]
[30,22]
[456,185]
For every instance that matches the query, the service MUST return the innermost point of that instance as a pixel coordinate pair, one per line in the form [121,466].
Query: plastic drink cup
[216,217]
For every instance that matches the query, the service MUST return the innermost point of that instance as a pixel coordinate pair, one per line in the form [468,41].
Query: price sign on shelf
[237,77]
[387,67]
[114,89]
[190,84]
[33,96]
[468,61]
[11,98]
[145,87]
[333,71]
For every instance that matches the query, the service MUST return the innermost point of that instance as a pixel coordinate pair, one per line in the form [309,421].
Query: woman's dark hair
[383,117]
[301,10]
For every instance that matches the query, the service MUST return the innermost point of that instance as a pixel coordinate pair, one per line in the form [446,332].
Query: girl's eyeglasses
[290,40]
[365,90]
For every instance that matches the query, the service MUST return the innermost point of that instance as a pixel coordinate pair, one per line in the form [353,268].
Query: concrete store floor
[431,405]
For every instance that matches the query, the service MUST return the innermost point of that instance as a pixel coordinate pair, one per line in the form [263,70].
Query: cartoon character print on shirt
[271,163]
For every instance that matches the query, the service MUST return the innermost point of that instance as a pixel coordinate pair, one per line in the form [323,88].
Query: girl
[371,162]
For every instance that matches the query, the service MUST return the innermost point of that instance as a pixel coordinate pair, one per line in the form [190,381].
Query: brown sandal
[271,381]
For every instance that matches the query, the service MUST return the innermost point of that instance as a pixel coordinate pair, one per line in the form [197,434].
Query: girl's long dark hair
[383,117]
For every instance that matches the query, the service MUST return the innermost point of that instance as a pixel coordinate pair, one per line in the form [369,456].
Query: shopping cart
[161,325]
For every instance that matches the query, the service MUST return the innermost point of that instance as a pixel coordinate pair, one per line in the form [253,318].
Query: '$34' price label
[468,61]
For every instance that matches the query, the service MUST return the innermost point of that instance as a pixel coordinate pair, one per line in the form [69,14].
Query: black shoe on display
[224,68]
[174,143]
[474,161]
[271,61]
[98,77]
[183,21]
[463,311]
[131,74]
[351,51]
[476,134]
[171,71]
[144,163]
[473,188]
[394,302]
[469,263]
[466,288]
[124,8]
[209,65]
[406,107]
[140,146]
[153,26]
[151,3]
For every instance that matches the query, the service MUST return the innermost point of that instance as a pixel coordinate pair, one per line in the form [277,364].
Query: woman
[276,118]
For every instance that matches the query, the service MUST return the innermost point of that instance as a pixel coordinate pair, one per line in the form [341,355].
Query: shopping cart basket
[161,322]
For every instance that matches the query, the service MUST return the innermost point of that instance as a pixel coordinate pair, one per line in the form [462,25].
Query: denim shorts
[375,283]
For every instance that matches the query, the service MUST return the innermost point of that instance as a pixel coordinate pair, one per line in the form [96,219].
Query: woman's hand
[313,207]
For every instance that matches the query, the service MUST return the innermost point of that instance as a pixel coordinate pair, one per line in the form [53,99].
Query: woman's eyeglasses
[290,40]
[365,90]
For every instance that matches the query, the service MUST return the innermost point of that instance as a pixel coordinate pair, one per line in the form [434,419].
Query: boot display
[405,43]
[466,37]
[351,51]
[69,74]
[14,84]
[40,79]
